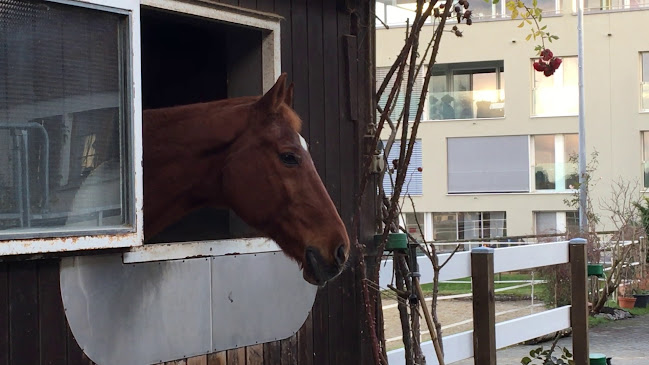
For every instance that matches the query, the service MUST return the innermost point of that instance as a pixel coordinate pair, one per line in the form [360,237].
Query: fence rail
[491,335]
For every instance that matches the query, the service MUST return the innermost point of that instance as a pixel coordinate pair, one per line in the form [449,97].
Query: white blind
[488,164]
[381,73]
[413,182]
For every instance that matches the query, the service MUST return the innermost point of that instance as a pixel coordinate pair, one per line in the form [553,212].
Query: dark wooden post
[579,309]
[484,306]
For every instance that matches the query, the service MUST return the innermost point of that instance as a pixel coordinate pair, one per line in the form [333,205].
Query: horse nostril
[340,255]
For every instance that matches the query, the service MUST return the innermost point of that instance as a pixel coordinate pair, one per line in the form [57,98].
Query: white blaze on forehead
[303,142]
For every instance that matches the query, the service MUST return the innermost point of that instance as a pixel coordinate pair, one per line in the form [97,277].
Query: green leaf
[496,2]
[555,37]
[534,3]
[540,17]
[521,25]
[526,360]
[543,27]
[514,13]
[528,37]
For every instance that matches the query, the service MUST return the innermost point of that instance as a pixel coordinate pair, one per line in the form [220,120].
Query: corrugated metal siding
[413,184]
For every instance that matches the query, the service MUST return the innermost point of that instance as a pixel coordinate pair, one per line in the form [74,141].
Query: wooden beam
[579,310]
[484,306]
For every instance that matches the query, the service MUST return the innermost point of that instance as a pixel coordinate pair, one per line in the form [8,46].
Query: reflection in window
[469,225]
[467,91]
[555,162]
[556,222]
[558,94]
[402,11]
[645,80]
[62,118]
[416,225]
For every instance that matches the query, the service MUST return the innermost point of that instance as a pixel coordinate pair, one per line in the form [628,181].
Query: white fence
[460,346]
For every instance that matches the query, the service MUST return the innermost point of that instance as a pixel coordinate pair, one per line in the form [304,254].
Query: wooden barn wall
[327,52]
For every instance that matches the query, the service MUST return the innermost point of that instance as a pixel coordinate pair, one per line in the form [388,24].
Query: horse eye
[289,159]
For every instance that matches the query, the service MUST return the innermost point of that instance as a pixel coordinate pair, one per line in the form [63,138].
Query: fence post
[484,306]
[579,309]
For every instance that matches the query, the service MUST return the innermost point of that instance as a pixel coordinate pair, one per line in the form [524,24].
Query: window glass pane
[469,226]
[571,167]
[544,169]
[572,222]
[557,94]
[481,10]
[645,157]
[467,91]
[645,80]
[62,118]
[444,226]
[494,224]
[416,225]
[546,222]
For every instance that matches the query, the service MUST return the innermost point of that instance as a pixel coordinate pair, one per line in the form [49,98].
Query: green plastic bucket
[396,241]
[597,359]
[596,270]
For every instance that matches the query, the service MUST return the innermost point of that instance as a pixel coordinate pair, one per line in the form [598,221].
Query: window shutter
[413,184]
[381,73]
[488,164]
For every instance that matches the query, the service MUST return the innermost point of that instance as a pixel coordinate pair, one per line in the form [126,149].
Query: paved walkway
[626,341]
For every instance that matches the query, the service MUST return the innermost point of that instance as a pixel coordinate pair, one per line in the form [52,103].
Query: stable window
[65,121]
[471,90]
[488,164]
[555,162]
[556,95]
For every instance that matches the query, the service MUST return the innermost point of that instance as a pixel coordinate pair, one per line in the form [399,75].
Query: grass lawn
[594,321]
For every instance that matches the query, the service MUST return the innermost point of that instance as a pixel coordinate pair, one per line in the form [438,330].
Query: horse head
[270,181]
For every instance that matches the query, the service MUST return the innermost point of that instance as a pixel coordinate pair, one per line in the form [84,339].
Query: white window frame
[40,243]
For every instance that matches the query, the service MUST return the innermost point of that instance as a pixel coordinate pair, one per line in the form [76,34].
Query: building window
[64,120]
[645,158]
[555,166]
[469,225]
[415,224]
[488,164]
[557,95]
[381,74]
[645,80]
[413,183]
[467,91]
[556,222]
[604,5]
[400,12]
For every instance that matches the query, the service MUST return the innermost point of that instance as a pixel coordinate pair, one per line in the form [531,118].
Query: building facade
[499,140]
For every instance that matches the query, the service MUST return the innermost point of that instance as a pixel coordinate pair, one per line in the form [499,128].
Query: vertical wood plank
[197,360]
[289,351]
[266,5]
[255,355]
[217,358]
[237,356]
[272,353]
[305,339]
[23,313]
[484,306]
[4,315]
[51,315]
[283,8]
[579,309]
[300,62]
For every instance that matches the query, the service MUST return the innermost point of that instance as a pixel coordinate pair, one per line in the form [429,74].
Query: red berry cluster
[547,63]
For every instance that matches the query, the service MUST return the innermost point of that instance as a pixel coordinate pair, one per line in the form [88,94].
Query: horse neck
[184,151]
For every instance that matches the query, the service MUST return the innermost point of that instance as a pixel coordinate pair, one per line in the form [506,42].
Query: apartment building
[496,144]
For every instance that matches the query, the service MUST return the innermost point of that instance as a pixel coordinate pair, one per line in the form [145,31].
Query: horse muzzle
[317,270]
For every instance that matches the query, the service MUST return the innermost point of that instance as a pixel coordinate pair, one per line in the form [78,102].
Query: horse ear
[275,96]
[288,99]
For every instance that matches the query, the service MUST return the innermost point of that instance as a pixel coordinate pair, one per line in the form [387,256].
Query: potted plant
[641,298]
[626,300]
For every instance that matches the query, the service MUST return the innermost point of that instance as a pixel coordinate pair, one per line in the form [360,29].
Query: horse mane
[172,113]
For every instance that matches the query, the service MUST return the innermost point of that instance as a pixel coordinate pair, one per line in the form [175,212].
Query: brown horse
[244,154]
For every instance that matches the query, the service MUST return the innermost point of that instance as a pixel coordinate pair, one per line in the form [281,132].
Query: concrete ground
[626,341]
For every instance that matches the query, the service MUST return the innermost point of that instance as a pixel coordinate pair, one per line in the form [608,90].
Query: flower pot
[641,300]
[625,302]
[597,359]
[596,270]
